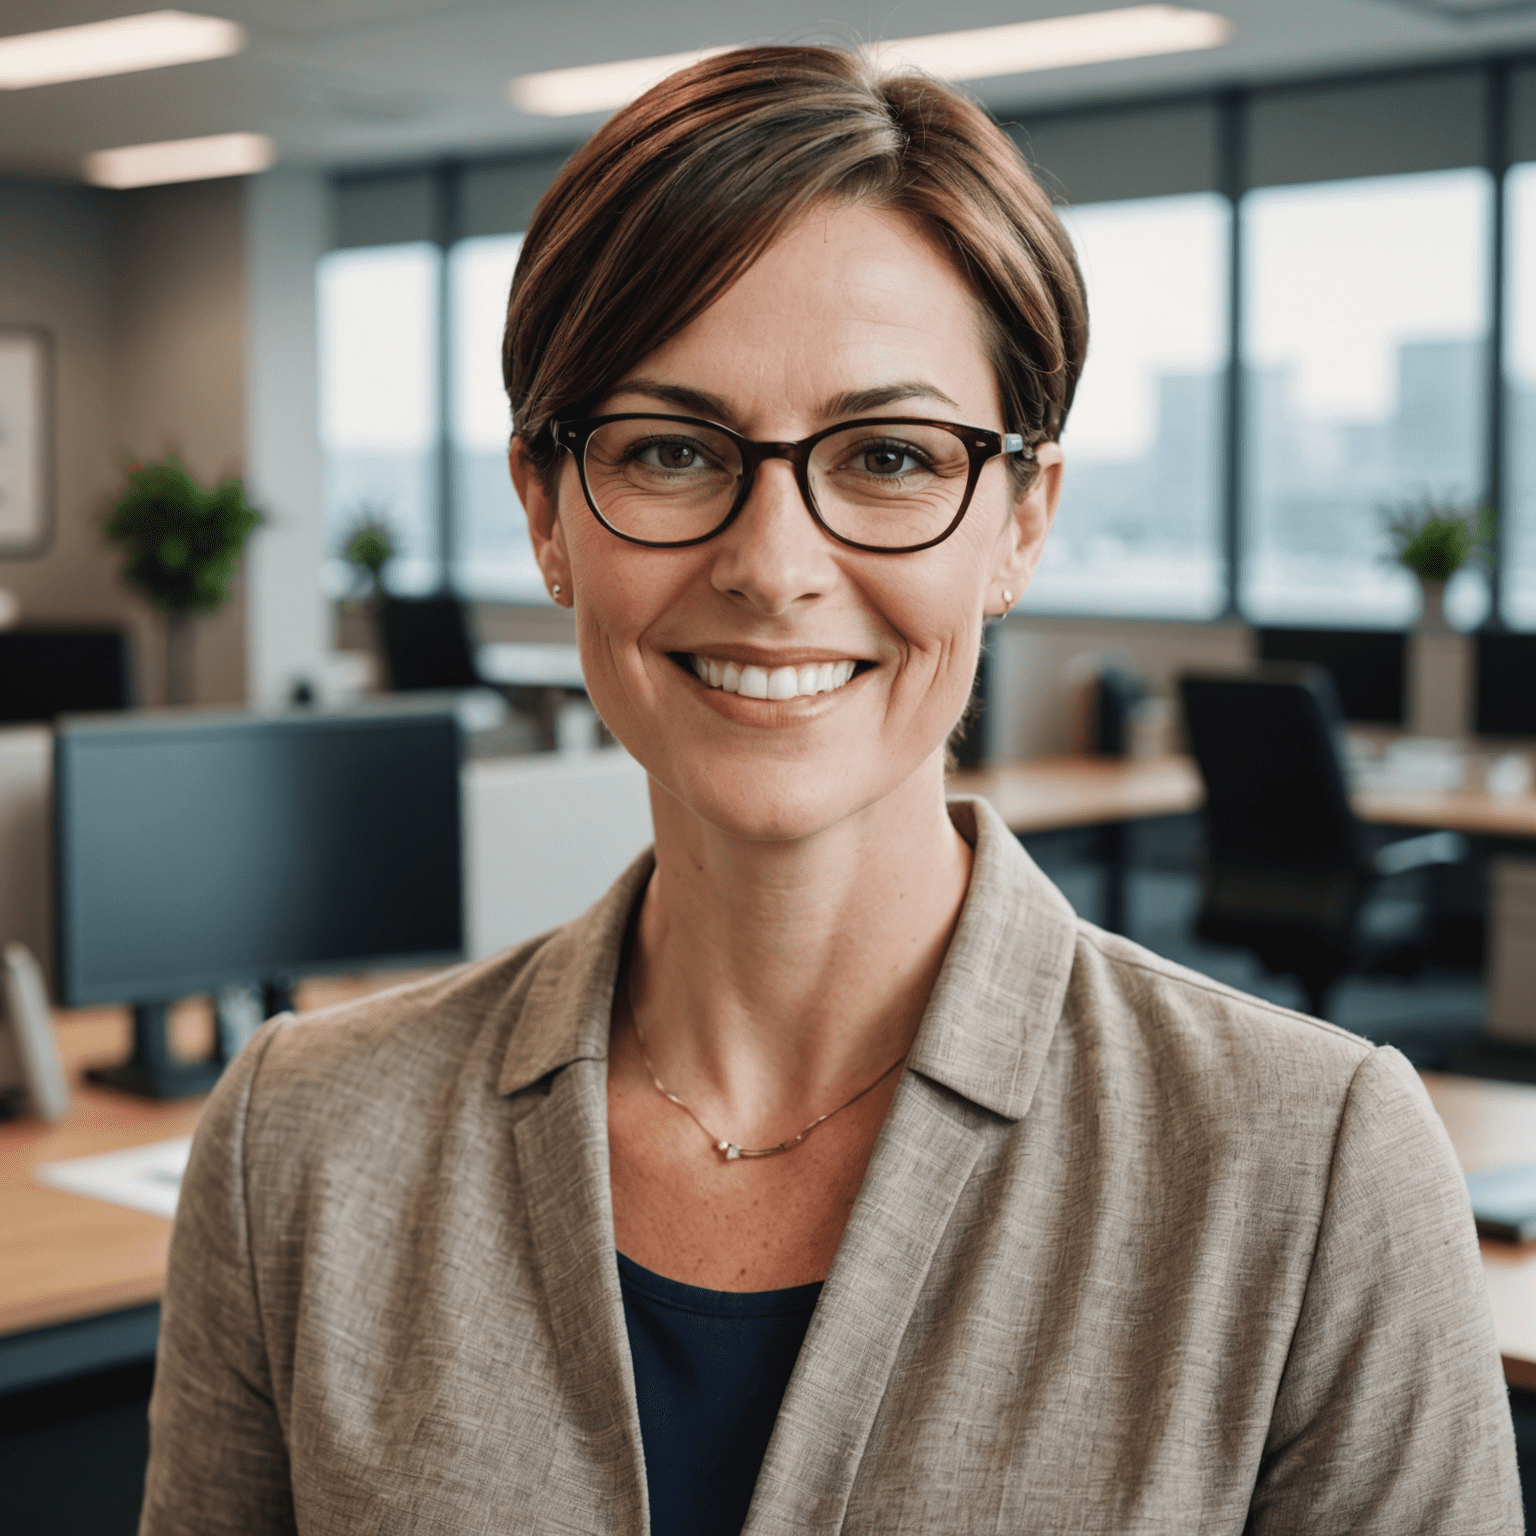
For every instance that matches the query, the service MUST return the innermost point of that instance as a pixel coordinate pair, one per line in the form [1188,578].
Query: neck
[779,977]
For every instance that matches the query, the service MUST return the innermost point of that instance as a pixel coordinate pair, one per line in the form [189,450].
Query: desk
[1055,792]
[1493,1125]
[65,1258]
[1051,793]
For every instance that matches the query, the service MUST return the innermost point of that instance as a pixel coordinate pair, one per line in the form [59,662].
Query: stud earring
[1007,598]
[555,590]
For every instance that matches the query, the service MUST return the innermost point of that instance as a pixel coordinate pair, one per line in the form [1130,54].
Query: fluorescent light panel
[1135,32]
[1058,42]
[150,165]
[116,47]
[596,87]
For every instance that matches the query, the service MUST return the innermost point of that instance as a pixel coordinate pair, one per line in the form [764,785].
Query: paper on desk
[146,1178]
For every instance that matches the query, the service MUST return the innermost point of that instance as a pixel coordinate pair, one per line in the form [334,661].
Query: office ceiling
[356,82]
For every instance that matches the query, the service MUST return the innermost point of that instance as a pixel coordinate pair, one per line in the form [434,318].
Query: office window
[1138,532]
[1365,320]
[493,559]
[378,404]
[1519,571]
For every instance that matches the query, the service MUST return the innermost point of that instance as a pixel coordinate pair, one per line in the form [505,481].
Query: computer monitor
[49,672]
[1368,666]
[194,851]
[1505,703]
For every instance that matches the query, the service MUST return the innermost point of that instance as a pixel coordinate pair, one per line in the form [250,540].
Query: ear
[1023,537]
[544,528]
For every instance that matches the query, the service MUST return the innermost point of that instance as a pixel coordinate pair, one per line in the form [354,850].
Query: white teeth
[778,683]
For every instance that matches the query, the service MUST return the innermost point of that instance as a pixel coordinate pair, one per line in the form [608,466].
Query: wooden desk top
[1493,1125]
[1053,792]
[65,1256]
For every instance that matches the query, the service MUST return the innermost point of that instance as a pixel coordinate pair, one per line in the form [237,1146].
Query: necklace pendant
[731,1151]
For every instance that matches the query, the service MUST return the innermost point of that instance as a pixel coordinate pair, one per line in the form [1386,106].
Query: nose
[774,556]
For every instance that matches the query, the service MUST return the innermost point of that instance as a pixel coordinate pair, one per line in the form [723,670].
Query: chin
[760,800]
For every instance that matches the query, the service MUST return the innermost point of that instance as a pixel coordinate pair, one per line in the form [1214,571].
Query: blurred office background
[1309,250]
[1308,230]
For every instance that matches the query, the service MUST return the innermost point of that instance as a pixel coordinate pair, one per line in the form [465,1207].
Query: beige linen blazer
[1134,1253]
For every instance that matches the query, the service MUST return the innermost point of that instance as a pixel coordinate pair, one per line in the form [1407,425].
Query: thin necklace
[728,1149]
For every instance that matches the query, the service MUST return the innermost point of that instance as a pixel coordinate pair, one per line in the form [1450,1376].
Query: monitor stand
[151,1071]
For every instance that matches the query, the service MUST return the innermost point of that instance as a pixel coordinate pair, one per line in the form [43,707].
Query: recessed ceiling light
[596,87]
[116,47]
[150,165]
[1135,32]
[1057,42]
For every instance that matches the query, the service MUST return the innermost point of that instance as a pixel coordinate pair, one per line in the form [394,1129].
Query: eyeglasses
[889,484]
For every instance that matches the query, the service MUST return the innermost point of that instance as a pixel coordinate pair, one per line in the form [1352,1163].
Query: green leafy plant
[181,541]
[368,547]
[1434,539]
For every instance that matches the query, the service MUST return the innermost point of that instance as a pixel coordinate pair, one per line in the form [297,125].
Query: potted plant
[369,545]
[1434,539]
[181,545]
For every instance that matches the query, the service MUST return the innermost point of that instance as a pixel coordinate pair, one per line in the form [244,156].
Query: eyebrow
[854,402]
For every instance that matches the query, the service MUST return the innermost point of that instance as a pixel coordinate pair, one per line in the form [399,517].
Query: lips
[753,682]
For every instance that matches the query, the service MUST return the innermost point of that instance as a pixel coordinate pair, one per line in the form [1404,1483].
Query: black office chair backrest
[1506,685]
[1275,791]
[45,673]
[1369,667]
[426,644]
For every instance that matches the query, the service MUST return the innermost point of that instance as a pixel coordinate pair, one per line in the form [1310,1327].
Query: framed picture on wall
[26,438]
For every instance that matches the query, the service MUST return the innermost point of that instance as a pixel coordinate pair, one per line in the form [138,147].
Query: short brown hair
[677,194]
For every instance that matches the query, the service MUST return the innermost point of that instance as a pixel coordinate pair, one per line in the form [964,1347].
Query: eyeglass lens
[888,486]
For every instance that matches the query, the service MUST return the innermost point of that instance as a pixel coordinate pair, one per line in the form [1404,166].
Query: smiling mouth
[753,682]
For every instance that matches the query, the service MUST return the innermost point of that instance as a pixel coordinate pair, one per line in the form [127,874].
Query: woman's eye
[672,457]
[886,461]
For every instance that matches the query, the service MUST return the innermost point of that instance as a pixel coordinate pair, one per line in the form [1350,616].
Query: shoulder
[1233,1069]
[1120,980]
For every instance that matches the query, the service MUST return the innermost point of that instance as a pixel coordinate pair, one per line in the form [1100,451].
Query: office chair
[45,673]
[1289,866]
[426,644]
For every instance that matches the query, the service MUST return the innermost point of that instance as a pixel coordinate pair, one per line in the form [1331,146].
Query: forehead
[849,299]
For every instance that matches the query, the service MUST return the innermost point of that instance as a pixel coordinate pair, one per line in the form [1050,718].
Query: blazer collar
[993,1010]
[988,1024]
[567,1010]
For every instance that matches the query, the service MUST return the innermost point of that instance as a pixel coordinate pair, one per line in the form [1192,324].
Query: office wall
[181,364]
[144,294]
[57,270]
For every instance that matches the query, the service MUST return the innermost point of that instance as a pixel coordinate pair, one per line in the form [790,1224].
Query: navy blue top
[710,1372]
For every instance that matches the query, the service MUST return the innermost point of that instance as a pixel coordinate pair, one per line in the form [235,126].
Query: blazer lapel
[973,1069]
[926,1152]
[562,1155]
[557,1060]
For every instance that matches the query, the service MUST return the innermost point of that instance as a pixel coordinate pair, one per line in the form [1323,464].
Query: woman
[829,1164]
